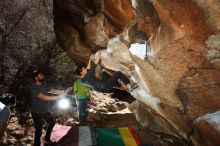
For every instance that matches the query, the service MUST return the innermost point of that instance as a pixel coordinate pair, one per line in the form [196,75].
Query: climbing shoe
[133,87]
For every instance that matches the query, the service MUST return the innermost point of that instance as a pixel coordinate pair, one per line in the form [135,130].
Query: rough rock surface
[178,74]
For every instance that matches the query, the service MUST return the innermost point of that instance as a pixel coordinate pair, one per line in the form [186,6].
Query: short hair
[36,72]
[79,69]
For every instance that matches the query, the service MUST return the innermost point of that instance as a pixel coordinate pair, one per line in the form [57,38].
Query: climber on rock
[105,85]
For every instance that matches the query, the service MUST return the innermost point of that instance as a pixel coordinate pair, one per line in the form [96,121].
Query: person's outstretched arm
[93,67]
[97,57]
[59,91]
[51,98]
[89,64]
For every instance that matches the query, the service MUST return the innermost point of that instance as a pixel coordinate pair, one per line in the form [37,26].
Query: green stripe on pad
[109,137]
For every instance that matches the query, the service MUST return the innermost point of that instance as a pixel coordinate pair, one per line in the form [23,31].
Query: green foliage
[63,69]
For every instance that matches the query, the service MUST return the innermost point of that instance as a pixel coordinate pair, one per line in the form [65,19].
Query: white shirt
[1,106]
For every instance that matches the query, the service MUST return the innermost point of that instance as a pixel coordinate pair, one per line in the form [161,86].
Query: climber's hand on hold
[97,57]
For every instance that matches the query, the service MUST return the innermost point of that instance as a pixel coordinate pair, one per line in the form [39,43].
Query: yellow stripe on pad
[127,137]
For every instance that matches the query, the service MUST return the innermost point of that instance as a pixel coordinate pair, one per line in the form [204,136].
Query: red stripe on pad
[138,141]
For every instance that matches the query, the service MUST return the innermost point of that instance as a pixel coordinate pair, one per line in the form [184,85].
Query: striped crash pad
[88,136]
[79,136]
[117,137]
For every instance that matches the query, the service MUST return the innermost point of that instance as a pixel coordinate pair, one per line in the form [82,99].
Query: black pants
[82,109]
[111,81]
[38,123]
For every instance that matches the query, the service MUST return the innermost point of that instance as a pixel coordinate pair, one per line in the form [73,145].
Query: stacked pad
[87,136]
[117,137]
[58,132]
[79,136]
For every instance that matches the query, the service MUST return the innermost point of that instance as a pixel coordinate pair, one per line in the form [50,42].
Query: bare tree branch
[57,59]
[17,22]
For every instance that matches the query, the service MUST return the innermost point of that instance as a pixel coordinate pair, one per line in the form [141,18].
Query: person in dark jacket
[105,85]
[6,101]
[40,98]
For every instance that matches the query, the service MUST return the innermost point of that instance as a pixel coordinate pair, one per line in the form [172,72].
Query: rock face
[169,47]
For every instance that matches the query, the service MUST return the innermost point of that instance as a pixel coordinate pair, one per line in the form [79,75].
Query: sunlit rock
[213,44]
[117,57]
[155,121]
[120,12]
[209,122]
[95,32]
[170,48]
[138,50]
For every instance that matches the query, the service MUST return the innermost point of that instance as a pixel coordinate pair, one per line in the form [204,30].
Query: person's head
[81,70]
[38,75]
